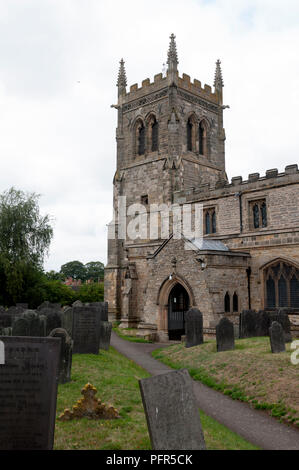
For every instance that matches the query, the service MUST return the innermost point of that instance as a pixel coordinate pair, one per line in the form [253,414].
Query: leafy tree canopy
[93,270]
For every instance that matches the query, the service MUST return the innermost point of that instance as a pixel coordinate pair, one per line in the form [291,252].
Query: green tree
[25,238]
[91,293]
[54,276]
[94,270]
[74,269]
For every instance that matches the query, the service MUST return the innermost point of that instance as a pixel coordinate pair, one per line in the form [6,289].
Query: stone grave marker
[67,320]
[86,330]
[47,304]
[225,337]
[248,324]
[20,327]
[194,328]
[172,412]
[277,339]
[66,354]
[28,392]
[105,335]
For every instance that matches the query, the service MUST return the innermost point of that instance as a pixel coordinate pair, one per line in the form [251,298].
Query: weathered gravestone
[67,320]
[171,412]
[66,354]
[5,320]
[29,324]
[22,305]
[28,391]
[193,328]
[247,324]
[225,335]
[277,339]
[48,304]
[86,330]
[283,318]
[105,335]
[15,312]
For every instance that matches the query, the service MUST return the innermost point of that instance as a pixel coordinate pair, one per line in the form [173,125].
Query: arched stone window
[281,285]
[139,138]
[191,133]
[203,138]
[258,214]
[152,134]
[235,302]
[227,303]
[210,225]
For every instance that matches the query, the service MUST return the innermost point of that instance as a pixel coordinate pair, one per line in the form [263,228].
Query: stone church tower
[171,149]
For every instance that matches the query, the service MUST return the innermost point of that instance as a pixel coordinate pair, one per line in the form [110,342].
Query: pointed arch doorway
[178,306]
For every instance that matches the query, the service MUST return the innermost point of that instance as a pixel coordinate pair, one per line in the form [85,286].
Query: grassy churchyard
[116,379]
[250,373]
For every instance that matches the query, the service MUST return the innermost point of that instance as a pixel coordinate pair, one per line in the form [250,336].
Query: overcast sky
[58,69]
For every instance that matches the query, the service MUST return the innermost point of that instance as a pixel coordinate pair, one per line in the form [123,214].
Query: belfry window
[282,285]
[155,129]
[189,135]
[141,139]
[202,138]
[258,214]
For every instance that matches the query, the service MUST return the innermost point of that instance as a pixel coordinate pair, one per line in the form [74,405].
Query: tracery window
[258,214]
[282,285]
[139,137]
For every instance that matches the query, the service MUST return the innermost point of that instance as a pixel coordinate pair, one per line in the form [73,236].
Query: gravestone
[15,312]
[193,328]
[103,308]
[48,305]
[248,324]
[105,335]
[277,339]
[20,327]
[22,305]
[225,335]
[36,326]
[67,320]
[263,323]
[66,354]
[28,391]
[5,320]
[282,317]
[172,412]
[78,303]
[86,330]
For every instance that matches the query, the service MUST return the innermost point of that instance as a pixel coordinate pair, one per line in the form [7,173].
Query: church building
[171,151]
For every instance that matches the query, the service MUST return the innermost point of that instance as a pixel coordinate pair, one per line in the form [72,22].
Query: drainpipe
[248,271]
[239,195]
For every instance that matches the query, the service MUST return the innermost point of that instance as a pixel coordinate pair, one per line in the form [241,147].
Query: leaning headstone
[194,328]
[28,391]
[277,339]
[225,335]
[86,330]
[66,354]
[172,412]
[105,335]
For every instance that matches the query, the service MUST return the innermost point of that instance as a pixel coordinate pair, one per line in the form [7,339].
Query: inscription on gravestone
[86,330]
[171,411]
[28,391]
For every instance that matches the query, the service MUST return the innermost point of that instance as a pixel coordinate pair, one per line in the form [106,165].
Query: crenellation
[273,173]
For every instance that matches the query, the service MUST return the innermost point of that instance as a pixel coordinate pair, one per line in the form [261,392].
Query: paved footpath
[255,426]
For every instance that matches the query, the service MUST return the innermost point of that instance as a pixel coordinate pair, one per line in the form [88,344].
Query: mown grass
[127,334]
[250,373]
[116,379]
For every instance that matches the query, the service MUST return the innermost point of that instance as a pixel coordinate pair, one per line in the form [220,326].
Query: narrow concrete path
[253,425]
